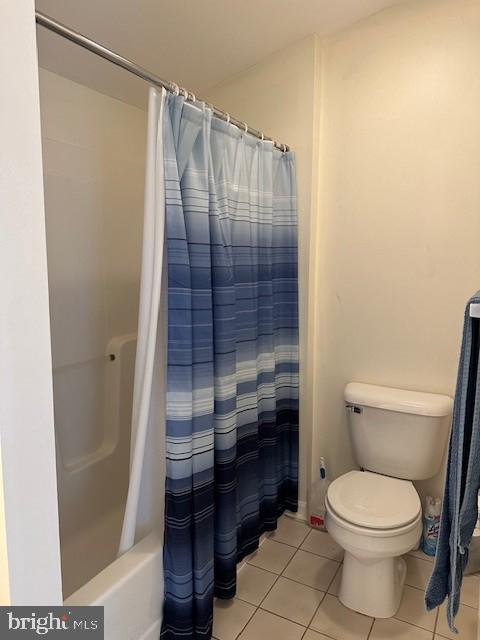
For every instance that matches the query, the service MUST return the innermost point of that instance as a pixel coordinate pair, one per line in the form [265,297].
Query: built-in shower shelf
[88,400]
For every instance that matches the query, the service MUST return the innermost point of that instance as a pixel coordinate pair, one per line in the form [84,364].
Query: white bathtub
[131,590]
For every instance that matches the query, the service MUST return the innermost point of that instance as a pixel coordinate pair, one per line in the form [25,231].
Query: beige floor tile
[290,531]
[412,609]
[266,625]
[389,629]
[418,572]
[314,635]
[253,584]
[272,556]
[314,571]
[321,543]
[336,621]
[230,617]
[469,592]
[334,588]
[292,600]
[466,623]
[418,553]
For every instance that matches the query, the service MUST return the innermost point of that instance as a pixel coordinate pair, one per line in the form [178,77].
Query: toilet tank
[396,432]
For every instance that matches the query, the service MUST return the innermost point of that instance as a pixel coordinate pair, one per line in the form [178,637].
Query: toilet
[376,514]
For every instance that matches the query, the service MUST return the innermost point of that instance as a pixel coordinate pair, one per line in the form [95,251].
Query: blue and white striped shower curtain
[232,372]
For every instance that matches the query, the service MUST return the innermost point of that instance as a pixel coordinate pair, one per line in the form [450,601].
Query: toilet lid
[374,501]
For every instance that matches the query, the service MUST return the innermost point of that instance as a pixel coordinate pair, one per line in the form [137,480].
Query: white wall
[397,249]
[277,96]
[26,409]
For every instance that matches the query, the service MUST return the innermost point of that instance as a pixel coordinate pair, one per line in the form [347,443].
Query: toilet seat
[375,502]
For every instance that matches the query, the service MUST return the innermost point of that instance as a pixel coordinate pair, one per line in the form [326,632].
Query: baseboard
[301,513]
[243,562]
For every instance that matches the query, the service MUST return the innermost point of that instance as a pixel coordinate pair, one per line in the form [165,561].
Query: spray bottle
[316,499]
[431,525]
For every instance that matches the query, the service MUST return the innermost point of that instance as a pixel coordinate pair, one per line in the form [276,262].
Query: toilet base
[372,586]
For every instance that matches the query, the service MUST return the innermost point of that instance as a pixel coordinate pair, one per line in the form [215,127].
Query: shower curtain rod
[94,47]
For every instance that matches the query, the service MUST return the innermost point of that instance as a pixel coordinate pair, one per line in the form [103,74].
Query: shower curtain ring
[192,97]
[245,127]
[227,119]
[263,137]
[184,92]
[176,91]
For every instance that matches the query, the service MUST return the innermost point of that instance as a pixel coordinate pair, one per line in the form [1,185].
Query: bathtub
[131,590]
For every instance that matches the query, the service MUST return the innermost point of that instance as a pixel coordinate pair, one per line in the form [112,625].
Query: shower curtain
[232,363]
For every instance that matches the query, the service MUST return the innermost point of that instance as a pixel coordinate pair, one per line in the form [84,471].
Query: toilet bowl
[375,519]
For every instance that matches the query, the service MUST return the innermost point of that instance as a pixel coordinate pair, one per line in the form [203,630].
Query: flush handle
[353,408]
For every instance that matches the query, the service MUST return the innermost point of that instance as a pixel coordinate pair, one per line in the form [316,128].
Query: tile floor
[288,591]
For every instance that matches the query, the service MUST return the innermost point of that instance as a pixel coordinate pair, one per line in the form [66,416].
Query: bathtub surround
[460,501]
[94,174]
[232,367]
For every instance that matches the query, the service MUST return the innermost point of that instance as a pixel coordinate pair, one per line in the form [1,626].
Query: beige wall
[278,96]
[385,116]
[397,251]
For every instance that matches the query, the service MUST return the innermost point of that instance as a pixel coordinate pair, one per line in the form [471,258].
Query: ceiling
[196,43]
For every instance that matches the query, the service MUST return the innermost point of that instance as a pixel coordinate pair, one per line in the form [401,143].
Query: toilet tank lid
[404,401]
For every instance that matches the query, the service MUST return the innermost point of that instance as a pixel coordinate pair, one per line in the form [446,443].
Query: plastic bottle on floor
[316,499]
[431,525]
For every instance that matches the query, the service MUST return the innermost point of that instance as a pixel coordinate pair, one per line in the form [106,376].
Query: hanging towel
[460,510]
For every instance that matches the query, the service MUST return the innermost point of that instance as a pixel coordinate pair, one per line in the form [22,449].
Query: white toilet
[376,514]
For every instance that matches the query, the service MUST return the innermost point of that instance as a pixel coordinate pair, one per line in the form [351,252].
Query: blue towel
[460,510]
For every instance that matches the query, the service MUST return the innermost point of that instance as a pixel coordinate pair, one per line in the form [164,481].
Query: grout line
[244,626]
[315,612]
[412,624]
[371,629]
[287,544]
[262,569]
[279,615]
[263,599]
[322,633]
[436,621]
[332,580]
[288,563]
[272,533]
[315,556]
[303,584]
